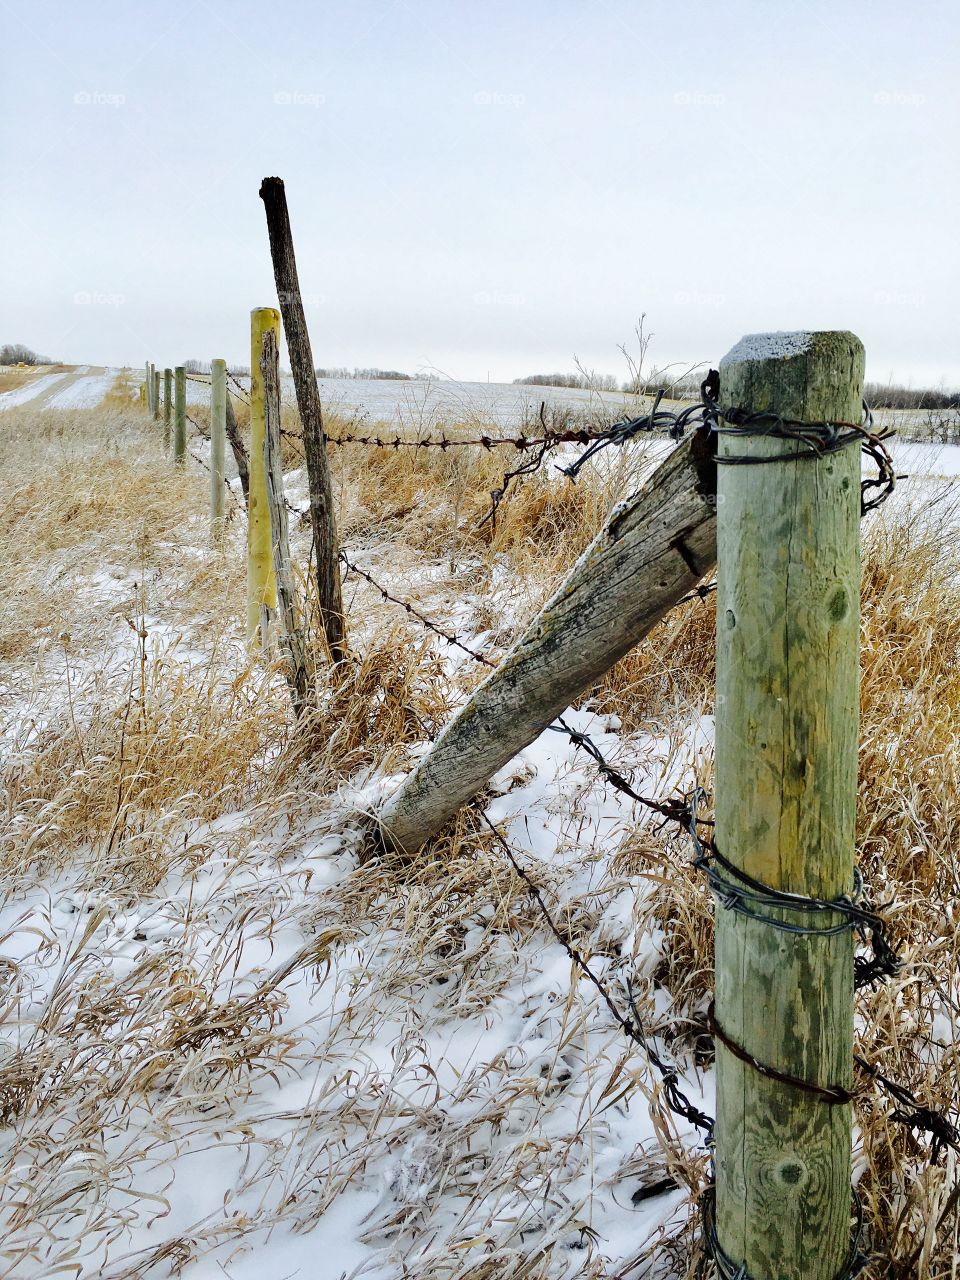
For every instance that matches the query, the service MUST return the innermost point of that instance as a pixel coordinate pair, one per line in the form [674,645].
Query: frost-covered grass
[235,1044]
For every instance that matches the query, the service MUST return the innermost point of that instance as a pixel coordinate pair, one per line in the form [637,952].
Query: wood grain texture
[180,416]
[326,545]
[653,548]
[239,450]
[218,439]
[786,785]
[167,406]
[292,642]
[261,582]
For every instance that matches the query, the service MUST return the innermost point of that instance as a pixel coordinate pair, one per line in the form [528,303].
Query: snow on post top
[768,346]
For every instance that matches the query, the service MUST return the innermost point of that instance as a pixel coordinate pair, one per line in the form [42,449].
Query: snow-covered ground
[275,1060]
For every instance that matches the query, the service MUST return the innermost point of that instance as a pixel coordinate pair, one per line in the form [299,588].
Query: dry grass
[198,959]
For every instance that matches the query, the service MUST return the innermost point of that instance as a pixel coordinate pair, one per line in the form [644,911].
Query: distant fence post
[167,406]
[261,580]
[180,416]
[218,437]
[786,791]
[156,395]
[148,385]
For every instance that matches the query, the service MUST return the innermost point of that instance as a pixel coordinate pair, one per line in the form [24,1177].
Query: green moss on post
[786,789]
[180,416]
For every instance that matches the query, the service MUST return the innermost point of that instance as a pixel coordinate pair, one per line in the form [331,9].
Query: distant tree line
[887,396]
[582,381]
[17,353]
[375,375]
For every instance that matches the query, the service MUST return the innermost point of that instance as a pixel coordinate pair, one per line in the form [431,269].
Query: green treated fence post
[786,789]
[167,406]
[180,416]
[218,437]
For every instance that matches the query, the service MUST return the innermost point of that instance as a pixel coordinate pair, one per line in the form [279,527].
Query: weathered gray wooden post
[786,790]
[180,416]
[148,383]
[218,438]
[156,395]
[292,638]
[653,548]
[167,406]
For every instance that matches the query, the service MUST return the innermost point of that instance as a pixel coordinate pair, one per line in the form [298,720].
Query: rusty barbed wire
[205,435]
[448,637]
[683,813]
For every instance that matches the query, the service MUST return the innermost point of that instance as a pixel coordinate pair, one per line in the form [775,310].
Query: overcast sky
[483,188]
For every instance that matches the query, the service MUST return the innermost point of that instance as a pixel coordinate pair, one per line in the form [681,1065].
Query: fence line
[734,1256]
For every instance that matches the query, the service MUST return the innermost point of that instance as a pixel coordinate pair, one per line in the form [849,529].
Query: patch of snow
[21,395]
[768,346]
[83,393]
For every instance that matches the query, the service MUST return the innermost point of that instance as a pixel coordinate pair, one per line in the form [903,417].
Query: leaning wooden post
[653,548]
[167,406]
[326,546]
[180,416]
[156,395]
[218,438]
[786,790]
[261,581]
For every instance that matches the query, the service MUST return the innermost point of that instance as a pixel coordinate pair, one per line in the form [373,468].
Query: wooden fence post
[148,384]
[218,438]
[653,548]
[261,580]
[156,395]
[167,406]
[292,638]
[326,546]
[786,790]
[180,416]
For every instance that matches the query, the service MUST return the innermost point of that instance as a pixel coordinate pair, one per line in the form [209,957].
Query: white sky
[483,188]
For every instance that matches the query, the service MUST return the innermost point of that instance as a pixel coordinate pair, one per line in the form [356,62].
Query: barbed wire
[205,435]
[818,439]
[447,636]
[684,813]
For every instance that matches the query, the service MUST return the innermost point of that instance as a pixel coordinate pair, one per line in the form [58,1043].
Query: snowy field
[234,1048]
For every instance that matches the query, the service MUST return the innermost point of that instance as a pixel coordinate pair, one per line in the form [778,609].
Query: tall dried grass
[190,933]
